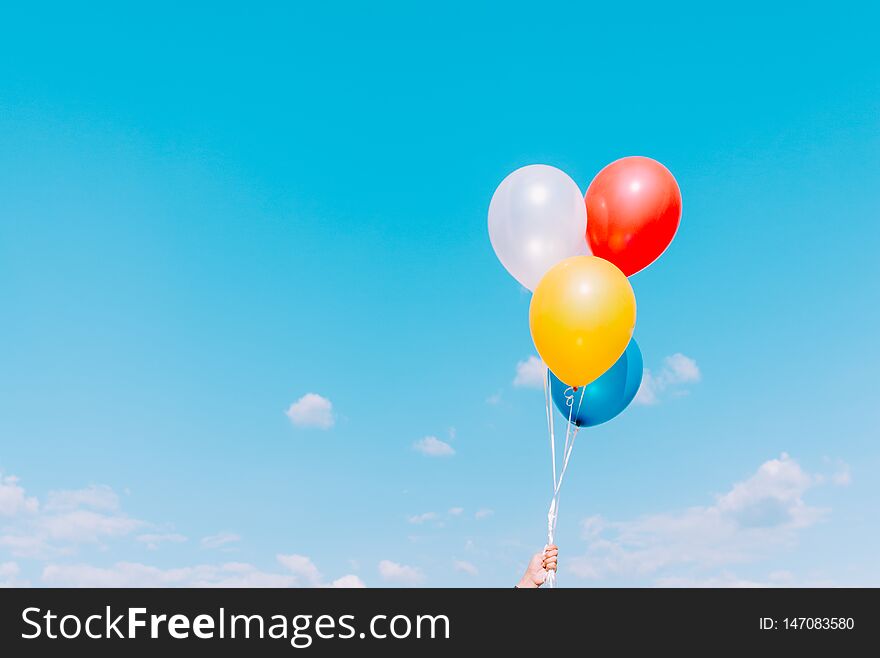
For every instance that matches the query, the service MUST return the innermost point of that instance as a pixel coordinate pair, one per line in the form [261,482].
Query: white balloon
[537,218]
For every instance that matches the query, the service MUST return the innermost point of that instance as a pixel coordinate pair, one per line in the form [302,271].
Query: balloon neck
[575,388]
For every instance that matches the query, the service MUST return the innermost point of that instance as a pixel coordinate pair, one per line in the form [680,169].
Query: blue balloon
[606,397]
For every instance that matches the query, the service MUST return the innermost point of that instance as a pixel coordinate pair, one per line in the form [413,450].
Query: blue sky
[208,213]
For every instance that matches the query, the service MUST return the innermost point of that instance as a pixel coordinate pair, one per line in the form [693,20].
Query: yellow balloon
[582,317]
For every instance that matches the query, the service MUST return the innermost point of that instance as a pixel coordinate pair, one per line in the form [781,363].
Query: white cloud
[303,569]
[8,573]
[67,519]
[400,574]
[772,496]
[348,582]
[648,390]
[54,531]
[779,578]
[8,569]
[154,539]
[133,574]
[434,447]
[99,497]
[12,497]
[220,539]
[20,544]
[724,579]
[677,371]
[83,525]
[757,516]
[422,518]
[312,410]
[842,477]
[681,369]
[230,574]
[465,567]
[530,373]
[483,514]
[456,511]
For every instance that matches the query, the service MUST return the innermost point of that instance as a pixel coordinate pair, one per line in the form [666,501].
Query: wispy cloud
[312,411]
[299,571]
[842,476]
[400,574]
[13,499]
[484,513]
[136,574]
[530,373]
[303,569]
[755,517]
[82,525]
[724,579]
[431,446]
[220,539]
[99,497]
[348,582]
[67,519]
[8,574]
[422,518]
[463,566]
[677,371]
[154,539]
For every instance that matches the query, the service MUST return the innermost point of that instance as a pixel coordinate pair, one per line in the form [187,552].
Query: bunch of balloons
[575,253]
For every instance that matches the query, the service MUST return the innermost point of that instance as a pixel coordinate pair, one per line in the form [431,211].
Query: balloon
[582,317]
[633,211]
[604,398]
[536,219]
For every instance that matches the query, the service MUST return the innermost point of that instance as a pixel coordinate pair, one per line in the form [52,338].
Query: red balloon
[633,211]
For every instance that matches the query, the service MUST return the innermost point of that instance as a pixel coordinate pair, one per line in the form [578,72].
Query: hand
[540,564]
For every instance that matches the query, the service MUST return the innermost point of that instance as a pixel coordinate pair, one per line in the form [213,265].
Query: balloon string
[548,393]
[570,445]
[565,462]
[551,515]
[570,436]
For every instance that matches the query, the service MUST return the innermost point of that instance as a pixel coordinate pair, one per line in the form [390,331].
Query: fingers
[550,558]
